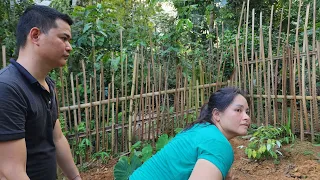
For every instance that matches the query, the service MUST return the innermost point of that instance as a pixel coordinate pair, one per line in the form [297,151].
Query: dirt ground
[300,161]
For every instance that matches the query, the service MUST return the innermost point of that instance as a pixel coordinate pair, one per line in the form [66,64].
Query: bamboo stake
[300,91]
[85,97]
[298,21]
[270,68]
[117,122]
[74,101]
[102,89]
[122,94]
[184,100]
[288,26]
[262,55]
[152,117]
[126,100]
[237,43]
[131,100]
[4,61]
[279,37]
[90,112]
[108,115]
[79,110]
[318,50]
[100,106]
[112,113]
[246,45]
[176,94]
[259,104]
[305,49]
[63,98]
[291,86]
[284,87]
[252,59]
[158,104]
[68,110]
[295,112]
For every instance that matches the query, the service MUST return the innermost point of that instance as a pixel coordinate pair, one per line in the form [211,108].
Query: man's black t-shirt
[29,111]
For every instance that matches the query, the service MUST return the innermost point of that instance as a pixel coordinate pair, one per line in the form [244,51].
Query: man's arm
[13,156]
[64,157]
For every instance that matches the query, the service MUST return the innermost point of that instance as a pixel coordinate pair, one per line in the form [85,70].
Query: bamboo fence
[282,87]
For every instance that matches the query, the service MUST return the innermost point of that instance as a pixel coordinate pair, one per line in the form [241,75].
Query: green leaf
[162,141]
[268,147]
[278,144]
[254,154]
[146,152]
[249,153]
[125,167]
[137,145]
[178,130]
[86,27]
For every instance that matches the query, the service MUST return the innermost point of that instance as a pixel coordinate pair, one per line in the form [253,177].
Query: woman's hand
[230,176]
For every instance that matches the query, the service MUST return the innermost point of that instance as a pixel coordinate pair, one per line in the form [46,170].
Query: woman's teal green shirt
[177,159]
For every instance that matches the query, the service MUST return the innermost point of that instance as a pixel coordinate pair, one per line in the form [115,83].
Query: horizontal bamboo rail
[171,91]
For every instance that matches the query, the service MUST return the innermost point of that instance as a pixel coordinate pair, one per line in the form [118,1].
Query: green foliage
[102,155]
[267,141]
[126,165]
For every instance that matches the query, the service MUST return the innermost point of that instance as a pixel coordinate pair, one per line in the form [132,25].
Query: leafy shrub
[267,141]
[126,165]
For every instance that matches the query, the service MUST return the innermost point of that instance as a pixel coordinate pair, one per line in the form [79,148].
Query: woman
[202,150]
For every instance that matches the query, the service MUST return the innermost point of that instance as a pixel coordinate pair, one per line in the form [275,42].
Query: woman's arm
[205,170]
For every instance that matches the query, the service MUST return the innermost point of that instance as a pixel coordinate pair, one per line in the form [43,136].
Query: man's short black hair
[39,16]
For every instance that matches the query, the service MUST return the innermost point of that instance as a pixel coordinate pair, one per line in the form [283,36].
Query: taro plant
[267,141]
[127,164]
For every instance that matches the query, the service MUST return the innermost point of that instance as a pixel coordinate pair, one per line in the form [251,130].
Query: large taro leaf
[125,167]
[162,141]
[146,152]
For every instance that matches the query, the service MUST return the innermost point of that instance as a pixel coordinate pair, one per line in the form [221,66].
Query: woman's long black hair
[219,100]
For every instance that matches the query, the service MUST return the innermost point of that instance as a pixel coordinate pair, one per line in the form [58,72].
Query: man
[31,140]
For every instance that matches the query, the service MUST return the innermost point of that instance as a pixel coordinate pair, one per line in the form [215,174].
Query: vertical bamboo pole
[126,101]
[63,99]
[300,91]
[237,44]
[297,52]
[291,87]
[279,36]
[85,97]
[73,101]
[79,110]
[69,113]
[246,46]
[112,114]
[158,104]
[123,110]
[90,111]
[262,55]
[252,59]
[259,103]
[4,61]
[108,115]
[152,111]
[270,68]
[284,85]
[117,123]
[131,113]
[102,90]
[288,26]
[305,50]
